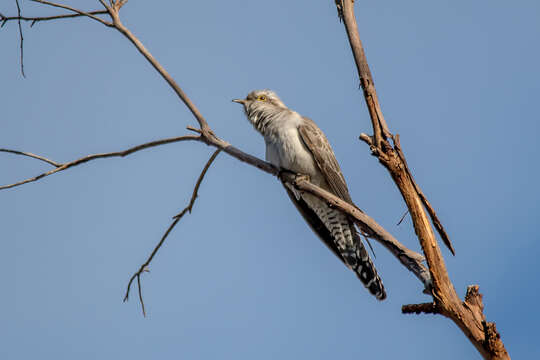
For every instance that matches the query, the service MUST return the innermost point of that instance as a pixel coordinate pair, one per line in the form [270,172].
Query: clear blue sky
[243,277]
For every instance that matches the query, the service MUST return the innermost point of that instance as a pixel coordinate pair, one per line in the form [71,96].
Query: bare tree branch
[189,207]
[65,166]
[21,37]
[468,315]
[80,12]
[34,20]
[424,308]
[53,163]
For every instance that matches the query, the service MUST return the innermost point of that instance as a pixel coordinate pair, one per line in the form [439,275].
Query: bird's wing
[348,248]
[322,152]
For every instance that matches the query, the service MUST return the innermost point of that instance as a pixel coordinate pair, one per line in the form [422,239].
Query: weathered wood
[468,315]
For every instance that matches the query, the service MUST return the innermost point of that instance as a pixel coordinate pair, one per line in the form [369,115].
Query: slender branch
[468,315]
[37,19]
[80,12]
[65,166]
[188,208]
[20,36]
[53,163]
[402,218]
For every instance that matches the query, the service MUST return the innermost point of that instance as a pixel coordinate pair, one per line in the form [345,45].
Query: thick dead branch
[189,207]
[467,315]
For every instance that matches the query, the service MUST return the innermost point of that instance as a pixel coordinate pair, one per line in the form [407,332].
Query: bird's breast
[286,150]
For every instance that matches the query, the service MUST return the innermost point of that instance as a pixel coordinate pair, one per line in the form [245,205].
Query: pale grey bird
[295,143]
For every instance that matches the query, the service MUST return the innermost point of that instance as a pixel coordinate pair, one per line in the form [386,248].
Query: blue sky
[242,276]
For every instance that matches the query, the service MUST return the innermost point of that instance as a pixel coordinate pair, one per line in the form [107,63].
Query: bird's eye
[261,98]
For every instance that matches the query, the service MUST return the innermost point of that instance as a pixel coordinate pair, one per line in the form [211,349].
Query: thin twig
[53,163]
[403,217]
[21,37]
[61,167]
[80,12]
[189,207]
[37,19]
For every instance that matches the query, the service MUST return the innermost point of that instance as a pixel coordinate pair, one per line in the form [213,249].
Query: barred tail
[366,272]
[352,250]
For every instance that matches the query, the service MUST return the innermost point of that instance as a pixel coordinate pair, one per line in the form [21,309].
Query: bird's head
[261,98]
[261,103]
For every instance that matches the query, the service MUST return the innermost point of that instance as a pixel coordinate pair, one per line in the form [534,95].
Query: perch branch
[408,258]
[468,315]
[189,207]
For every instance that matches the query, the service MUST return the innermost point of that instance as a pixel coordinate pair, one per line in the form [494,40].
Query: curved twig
[189,207]
[48,161]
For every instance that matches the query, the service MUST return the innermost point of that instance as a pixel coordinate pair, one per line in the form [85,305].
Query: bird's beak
[240,101]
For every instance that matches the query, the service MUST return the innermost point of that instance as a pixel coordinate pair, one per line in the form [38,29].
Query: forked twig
[189,207]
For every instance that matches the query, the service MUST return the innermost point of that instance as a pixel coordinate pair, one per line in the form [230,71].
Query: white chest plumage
[285,149]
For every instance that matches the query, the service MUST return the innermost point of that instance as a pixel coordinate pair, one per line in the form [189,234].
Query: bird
[295,143]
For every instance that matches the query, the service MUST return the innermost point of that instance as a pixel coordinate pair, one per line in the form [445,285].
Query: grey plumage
[295,143]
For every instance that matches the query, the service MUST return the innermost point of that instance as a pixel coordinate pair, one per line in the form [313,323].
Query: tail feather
[367,273]
[351,249]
